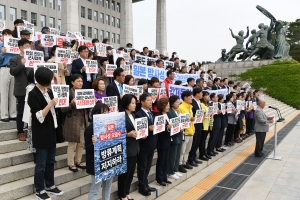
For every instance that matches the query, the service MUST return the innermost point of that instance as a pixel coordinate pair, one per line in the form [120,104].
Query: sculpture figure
[282,47]
[238,48]
[224,56]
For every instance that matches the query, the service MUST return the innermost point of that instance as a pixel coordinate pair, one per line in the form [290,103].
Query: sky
[197,30]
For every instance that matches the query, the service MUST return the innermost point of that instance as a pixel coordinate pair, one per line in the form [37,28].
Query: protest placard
[185,120]
[159,124]
[74,56]
[141,126]
[21,28]
[110,157]
[249,104]
[11,45]
[32,57]
[52,66]
[117,54]
[216,108]
[142,59]
[100,49]
[91,66]
[54,31]
[88,44]
[205,68]
[223,108]
[140,91]
[254,104]
[48,40]
[175,122]
[217,92]
[85,98]
[110,70]
[209,112]
[166,53]
[126,57]
[156,51]
[63,55]
[111,102]
[162,93]
[129,50]
[62,93]
[130,90]
[243,104]
[230,107]
[199,116]
[126,69]
[152,60]
[168,64]
[159,73]
[27,24]
[246,85]
[70,36]
[154,93]
[184,77]
[2,27]
[177,90]
[139,71]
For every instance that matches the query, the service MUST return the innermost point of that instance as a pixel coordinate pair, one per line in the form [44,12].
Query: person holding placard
[147,146]
[154,84]
[8,101]
[20,72]
[44,123]
[26,35]
[132,147]
[102,71]
[163,144]
[224,124]
[79,67]
[231,120]
[17,22]
[90,141]
[62,67]
[120,61]
[99,87]
[129,80]
[39,46]
[74,126]
[168,81]
[250,115]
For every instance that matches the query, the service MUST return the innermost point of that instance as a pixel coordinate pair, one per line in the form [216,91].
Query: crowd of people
[176,154]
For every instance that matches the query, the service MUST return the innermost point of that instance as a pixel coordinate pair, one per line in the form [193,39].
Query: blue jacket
[4,58]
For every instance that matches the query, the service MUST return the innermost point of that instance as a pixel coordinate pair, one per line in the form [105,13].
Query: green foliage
[293,37]
[281,80]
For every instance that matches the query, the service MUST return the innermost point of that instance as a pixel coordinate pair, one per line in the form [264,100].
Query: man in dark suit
[225,85]
[216,84]
[145,51]
[79,67]
[197,95]
[147,146]
[116,87]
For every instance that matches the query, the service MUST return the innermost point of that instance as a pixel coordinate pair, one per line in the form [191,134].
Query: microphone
[273,107]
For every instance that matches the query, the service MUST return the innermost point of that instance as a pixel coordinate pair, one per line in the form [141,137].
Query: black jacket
[89,150]
[132,144]
[43,134]
[112,90]
[218,118]
[164,138]
[198,127]
[76,67]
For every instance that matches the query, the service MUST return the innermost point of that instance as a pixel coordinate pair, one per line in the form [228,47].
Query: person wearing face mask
[8,101]
[20,72]
[17,22]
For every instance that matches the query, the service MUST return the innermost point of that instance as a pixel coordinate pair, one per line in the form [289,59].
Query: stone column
[70,16]
[126,31]
[161,26]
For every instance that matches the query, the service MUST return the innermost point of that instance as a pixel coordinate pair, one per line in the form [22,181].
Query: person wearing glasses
[79,67]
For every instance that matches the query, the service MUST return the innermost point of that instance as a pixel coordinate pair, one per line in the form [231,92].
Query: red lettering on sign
[62,60]
[62,101]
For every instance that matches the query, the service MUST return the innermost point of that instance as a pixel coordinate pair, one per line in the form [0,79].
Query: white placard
[85,98]
[91,66]
[141,126]
[32,57]
[62,93]
[159,124]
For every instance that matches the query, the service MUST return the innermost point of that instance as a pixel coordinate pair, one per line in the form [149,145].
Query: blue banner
[147,72]
[177,90]
[110,148]
[184,77]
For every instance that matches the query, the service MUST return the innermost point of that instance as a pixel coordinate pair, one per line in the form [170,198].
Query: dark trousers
[202,144]
[220,138]
[195,145]
[212,139]
[162,164]
[144,163]
[44,168]
[229,133]
[260,140]
[236,131]
[249,125]
[173,160]
[20,123]
[124,180]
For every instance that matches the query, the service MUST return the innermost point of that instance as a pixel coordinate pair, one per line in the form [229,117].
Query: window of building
[102,3]
[118,7]
[43,3]
[113,37]
[96,15]
[33,18]
[118,38]
[90,14]
[102,18]
[13,14]
[96,1]
[59,5]
[90,0]
[82,11]
[33,1]
[113,5]
[107,19]
[118,22]
[95,33]
[101,35]
[24,15]
[43,20]
[107,3]
[2,12]
[59,24]
[113,21]
[83,30]
[52,22]
[107,35]
[89,32]
[52,4]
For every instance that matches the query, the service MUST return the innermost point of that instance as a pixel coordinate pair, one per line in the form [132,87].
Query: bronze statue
[282,47]
[239,47]
[224,56]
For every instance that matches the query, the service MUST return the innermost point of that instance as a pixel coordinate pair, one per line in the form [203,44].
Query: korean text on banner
[48,40]
[111,102]
[21,28]
[85,98]
[175,122]
[185,120]
[162,93]
[154,93]
[126,69]
[91,66]
[209,112]
[184,77]
[110,70]
[110,148]
[32,57]
[141,126]
[11,45]
[62,93]
[177,90]
[159,124]
[63,55]
[130,90]
[199,117]
[139,71]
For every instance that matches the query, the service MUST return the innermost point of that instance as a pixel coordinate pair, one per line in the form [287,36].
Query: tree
[293,38]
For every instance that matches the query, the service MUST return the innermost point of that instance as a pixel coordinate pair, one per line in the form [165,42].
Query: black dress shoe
[5,120]
[215,152]
[168,182]
[162,183]
[181,169]
[151,189]
[223,149]
[144,192]
[187,166]
[219,150]
[204,158]
[192,163]
[211,154]
[13,119]
[207,156]
[197,161]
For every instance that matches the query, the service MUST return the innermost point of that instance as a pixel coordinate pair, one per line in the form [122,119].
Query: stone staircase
[17,167]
